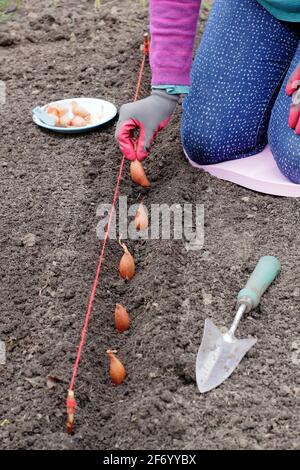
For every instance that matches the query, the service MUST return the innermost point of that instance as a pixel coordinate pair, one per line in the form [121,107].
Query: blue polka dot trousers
[237,102]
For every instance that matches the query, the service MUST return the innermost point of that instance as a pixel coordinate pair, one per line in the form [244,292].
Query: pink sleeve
[173,29]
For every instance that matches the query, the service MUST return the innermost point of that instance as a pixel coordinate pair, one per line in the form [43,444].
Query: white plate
[101,112]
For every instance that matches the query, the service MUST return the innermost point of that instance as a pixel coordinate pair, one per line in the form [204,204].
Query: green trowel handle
[262,277]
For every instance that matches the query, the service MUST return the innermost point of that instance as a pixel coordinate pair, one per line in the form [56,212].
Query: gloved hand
[148,116]
[293,89]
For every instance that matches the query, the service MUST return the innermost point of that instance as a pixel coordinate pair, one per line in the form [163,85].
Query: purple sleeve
[173,29]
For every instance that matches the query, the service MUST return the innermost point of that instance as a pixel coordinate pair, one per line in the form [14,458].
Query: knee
[203,143]
[288,163]
[212,139]
[285,146]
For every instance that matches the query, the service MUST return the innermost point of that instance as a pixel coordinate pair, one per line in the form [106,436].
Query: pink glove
[293,89]
[148,116]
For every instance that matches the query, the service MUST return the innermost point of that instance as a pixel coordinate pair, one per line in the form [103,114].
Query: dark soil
[50,187]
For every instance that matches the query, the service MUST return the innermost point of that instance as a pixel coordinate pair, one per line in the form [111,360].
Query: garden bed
[51,186]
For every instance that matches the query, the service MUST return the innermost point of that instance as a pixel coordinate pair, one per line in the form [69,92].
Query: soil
[51,186]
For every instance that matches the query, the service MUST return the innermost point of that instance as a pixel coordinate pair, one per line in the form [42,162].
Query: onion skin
[141,218]
[122,320]
[138,174]
[127,264]
[117,371]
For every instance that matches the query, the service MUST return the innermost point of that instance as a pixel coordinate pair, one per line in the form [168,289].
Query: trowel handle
[262,277]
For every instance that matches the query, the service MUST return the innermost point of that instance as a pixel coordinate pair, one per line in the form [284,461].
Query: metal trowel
[219,354]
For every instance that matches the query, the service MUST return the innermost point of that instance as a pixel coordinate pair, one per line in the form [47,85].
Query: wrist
[163,94]
[173,89]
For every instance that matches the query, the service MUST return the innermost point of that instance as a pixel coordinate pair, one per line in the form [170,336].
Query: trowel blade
[218,356]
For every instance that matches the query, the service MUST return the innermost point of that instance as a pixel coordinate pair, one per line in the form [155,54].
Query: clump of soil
[50,189]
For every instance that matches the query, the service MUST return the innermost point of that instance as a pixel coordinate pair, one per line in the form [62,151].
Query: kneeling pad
[259,173]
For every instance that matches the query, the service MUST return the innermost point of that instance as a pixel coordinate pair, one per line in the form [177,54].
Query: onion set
[117,371]
[138,174]
[141,218]
[122,320]
[127,264]
[80,117]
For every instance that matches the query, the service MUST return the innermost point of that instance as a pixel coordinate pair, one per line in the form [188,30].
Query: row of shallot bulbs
[117,370]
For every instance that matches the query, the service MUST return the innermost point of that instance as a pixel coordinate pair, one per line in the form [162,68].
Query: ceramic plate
[101,112]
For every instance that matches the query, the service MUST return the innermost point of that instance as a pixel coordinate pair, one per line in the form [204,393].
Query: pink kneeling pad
[259,173]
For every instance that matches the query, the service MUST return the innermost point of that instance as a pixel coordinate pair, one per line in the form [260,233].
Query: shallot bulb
[52,109]
[127,264]
[78,110]
[78,121]
[117,371]
[61,111]
[122,320]
[138,174]
[65,121]
[141,218]
[56,109]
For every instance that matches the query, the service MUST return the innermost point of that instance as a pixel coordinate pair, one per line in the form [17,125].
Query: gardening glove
[293,89]
[148,116]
